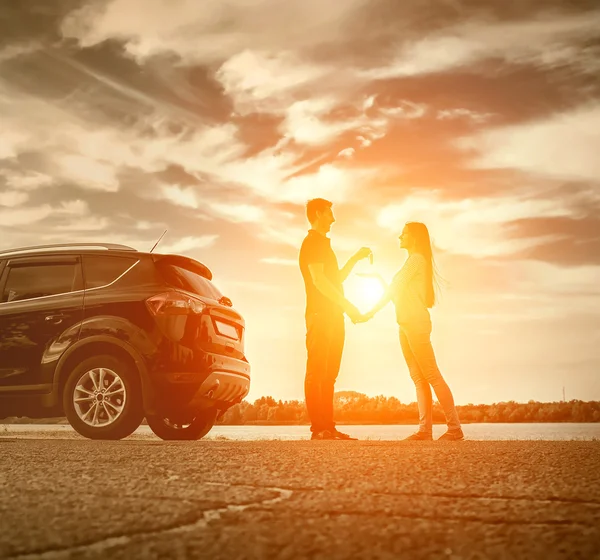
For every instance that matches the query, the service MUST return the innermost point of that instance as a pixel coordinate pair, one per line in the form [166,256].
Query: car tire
[102,398]
[198,428]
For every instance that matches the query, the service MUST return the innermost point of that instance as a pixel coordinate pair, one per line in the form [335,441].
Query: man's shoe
[452,435]
[342,435]
[419,436]
[323,434]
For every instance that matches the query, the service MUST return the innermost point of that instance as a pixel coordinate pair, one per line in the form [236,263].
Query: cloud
[13,198]
[89,173]
[305,122]
[544,41]
[230,211]
[215,33]
[179,196]
[461,113]
[92,223]
[470,226]
[12,141]
[238,212]
[188,243]
[11,217]
[265,82]
[25,180]
[279,261]
[347,153]
[145,225]
[564,146]
[73,208]
[405,110]
[330,181]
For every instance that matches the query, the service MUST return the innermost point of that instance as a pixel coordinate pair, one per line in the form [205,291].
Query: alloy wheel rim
[99,397]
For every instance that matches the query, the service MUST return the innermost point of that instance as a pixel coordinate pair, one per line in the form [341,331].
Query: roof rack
[107,246]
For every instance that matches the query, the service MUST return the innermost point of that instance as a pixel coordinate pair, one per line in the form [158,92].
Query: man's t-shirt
[316,248]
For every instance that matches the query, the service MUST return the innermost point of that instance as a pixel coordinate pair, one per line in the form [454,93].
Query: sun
[363,292]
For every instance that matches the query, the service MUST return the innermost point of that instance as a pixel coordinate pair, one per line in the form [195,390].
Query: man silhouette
[325,308]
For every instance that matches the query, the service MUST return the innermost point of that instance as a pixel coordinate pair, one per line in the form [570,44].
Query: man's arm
[362,253]
[324,285]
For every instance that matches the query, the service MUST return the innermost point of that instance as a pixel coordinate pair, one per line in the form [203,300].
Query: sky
[218,120]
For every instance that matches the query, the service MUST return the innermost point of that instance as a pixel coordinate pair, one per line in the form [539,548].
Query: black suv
[105,335]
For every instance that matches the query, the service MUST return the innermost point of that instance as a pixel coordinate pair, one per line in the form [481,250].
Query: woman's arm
[408,270]
[385,299]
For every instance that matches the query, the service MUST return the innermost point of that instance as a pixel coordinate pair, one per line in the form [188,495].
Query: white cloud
[18,49]
[189,243]
[238,212]
[551,281]
[26,180]
[405,110]
[263,82]
[91,223]
[214,33]
[330,181]
[347,153]
[13,198]
[74,208]
[92,154]
[12,142]
[565,146]
[470,226]
[283,234]
[179,196]
[545,41]
[188,198]
[461,113]
[145,225]
[10,217]
[305,123]
[279,261]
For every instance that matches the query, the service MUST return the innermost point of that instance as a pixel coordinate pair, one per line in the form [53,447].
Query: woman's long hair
[420,233]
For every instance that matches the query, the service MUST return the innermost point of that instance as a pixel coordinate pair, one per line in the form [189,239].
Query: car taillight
[174,303]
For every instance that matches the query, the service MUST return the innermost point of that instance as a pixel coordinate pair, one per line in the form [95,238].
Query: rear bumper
[212,381]
[183,394]
[224,387]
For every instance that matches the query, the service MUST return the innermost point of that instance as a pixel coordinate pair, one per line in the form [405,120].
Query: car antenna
[159,239]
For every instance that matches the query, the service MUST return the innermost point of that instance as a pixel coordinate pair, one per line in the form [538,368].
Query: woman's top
[408,292]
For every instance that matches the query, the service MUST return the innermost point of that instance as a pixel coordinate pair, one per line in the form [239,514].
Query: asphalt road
[143,498]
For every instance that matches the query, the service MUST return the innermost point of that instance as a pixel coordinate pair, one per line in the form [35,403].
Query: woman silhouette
[413,295]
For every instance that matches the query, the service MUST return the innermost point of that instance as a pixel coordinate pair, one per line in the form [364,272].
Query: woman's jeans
[424,371]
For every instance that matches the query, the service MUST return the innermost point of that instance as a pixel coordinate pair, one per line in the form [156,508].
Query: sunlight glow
[363,292]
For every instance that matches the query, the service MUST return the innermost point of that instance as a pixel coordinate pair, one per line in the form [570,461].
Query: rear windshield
[179,277]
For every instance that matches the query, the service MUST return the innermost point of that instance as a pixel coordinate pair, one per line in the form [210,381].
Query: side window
[37,280]
[102,270]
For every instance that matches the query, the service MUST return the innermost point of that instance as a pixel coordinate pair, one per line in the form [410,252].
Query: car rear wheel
[168,429]
[102,398]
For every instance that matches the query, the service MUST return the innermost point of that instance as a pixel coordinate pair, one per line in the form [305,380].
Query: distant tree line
[355,408]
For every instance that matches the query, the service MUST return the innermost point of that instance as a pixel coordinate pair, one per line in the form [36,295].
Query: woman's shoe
[452,435]
[419,436]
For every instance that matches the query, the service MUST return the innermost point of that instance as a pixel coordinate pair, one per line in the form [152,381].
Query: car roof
[111,249]
[62,247]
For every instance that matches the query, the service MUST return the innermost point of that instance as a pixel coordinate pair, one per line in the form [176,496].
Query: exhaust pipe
[211,391]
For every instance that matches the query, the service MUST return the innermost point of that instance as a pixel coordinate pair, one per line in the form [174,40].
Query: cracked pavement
[143,498]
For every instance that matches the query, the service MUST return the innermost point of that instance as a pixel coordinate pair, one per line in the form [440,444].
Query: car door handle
[56,319]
